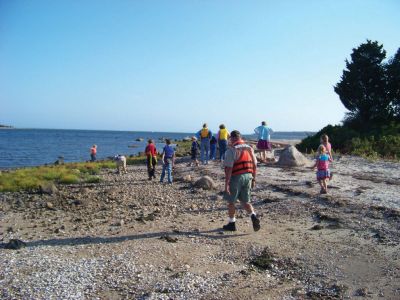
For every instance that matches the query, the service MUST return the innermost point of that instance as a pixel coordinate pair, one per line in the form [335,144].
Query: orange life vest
[245,163]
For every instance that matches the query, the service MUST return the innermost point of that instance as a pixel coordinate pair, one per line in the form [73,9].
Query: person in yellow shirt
[222,136]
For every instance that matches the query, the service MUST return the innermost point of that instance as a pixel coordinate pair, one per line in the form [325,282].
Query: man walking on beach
[240,175]
[204,135]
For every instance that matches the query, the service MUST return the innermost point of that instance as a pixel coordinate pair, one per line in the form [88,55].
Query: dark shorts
[240,188]
[323,174]
[264,145]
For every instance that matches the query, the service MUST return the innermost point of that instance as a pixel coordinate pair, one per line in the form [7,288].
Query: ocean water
[34,147]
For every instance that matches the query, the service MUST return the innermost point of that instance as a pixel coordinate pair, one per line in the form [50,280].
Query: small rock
[205,183]
[169,239]
[48,188]
[362,292]
[187,178]
[49,205]
[317,227]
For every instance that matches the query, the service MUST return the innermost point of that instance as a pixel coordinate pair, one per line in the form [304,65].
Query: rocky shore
[130,238]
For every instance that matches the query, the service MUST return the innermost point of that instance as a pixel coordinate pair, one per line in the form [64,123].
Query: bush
[92,179]
[381,142]
[68,179]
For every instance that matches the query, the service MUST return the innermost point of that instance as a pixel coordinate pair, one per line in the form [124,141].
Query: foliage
[379,142]
[393,81]
[32,178]
[183,148]
[363,87]
[136,160]
[370,89]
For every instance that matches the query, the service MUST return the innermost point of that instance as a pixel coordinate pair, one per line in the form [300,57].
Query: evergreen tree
[393,83]
[362,88]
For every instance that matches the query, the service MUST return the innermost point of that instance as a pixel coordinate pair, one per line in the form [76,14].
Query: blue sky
[173,65]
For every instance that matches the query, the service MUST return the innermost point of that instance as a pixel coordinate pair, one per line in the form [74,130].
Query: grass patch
[71,173]
[135,160]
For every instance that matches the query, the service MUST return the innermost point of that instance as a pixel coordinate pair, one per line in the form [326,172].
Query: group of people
[208,144]
[239,162]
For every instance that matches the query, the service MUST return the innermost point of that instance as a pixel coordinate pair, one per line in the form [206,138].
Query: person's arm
[162,156]
[198,134]
[254,158]
[315,164]
[228,175]
[173,160]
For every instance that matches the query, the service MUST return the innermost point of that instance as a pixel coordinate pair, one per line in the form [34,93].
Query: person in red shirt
[151,155]
[93,152]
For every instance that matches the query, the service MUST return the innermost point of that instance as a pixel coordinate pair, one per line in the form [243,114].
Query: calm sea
[34,147]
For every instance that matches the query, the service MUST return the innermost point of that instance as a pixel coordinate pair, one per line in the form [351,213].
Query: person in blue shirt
[204,135]
[264,140]
[168,160]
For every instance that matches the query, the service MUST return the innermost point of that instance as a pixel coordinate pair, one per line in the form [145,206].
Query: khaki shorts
[240,188]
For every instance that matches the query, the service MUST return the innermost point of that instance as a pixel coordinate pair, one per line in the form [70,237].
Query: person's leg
[163,173]
[153,170]
[245,197]
[325,182]
[264,155]
[220,150]
[169,168]
[207,149]
[320,181]
[202,150]
[148,162]
[231,210]
[231,198]
[223,148]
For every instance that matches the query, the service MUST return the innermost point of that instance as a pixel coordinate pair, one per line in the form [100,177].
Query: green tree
[393,83]
[362,88]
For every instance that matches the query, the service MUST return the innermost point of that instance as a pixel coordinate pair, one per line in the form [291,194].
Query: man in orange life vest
[240,174]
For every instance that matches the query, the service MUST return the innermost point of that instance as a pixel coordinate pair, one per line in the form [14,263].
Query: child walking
[194,151]
[324,140]
[322,165]
[168,160]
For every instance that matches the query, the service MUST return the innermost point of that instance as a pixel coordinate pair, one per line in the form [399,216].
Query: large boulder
[205,183]
[291,157]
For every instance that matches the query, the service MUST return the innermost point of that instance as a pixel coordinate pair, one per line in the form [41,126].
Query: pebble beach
[130,238]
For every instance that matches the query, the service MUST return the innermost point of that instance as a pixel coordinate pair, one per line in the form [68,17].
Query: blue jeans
[166,167]
[213,150]
[204,150]
[222,148]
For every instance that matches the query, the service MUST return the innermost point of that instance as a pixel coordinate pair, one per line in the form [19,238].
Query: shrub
[92,179]
[69,179]
[378,142]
